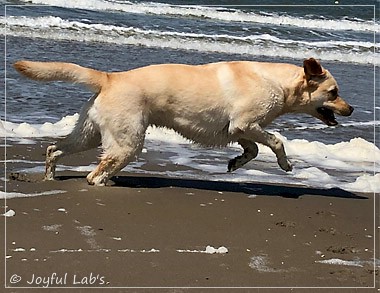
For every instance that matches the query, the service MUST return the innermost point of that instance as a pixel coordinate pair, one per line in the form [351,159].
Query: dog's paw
[96,180]
[49,177]
[232,165]
[285,164]
[49,173]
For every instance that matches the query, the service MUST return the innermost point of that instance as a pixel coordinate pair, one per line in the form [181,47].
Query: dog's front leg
[256,133]
[250,152]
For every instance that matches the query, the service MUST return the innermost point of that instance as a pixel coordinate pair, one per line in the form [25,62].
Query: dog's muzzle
[327,116]
[351,109]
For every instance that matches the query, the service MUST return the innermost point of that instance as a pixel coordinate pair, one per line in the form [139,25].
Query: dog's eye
[333,94]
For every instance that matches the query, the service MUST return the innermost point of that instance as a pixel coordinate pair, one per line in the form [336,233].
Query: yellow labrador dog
[212,104]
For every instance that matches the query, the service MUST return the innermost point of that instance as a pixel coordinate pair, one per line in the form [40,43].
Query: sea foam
[351,165]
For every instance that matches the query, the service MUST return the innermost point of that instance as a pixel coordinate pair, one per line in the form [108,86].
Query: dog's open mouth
[327,116]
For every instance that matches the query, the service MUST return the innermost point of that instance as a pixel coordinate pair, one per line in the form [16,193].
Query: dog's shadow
[246,188]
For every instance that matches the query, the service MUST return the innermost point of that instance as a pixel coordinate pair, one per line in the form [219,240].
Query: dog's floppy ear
[313,68]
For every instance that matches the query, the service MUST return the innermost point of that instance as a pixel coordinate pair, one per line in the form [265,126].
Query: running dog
[212,105]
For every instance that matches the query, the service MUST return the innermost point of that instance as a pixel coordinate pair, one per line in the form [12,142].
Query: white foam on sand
[261,263]
[9,195]
[354,263]
[351,165]
[208,250]
[9,213]
[341,262]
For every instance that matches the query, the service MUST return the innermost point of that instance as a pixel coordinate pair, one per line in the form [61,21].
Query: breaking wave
[52,27]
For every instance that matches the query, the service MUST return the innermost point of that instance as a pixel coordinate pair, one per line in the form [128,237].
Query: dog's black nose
[351,109]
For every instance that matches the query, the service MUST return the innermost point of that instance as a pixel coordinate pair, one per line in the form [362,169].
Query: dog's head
[321,92]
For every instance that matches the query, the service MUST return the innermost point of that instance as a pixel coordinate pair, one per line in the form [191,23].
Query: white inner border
[107,287]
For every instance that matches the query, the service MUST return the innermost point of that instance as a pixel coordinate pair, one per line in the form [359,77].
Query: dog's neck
[296,94]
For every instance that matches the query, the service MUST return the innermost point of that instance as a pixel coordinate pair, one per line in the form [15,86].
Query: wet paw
[49,177]
[49,172]
[92,179]
[285,164]
[232,165]
[237,163]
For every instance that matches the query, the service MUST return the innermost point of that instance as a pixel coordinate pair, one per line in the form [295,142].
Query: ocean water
[113,35]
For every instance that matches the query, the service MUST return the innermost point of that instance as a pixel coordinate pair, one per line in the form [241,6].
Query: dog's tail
[50,71]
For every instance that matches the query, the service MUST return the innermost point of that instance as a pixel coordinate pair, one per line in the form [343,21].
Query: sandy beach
[145,231]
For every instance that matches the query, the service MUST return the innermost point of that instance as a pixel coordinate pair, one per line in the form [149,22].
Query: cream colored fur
[212,104]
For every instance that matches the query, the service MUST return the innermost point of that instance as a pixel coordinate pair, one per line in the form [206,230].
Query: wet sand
[147,231]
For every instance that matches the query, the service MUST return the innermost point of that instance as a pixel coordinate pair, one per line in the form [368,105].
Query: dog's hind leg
[112,161]
[81,139]
[109,165]
[84,136]
[52,156]
[119,149]
[250,152]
